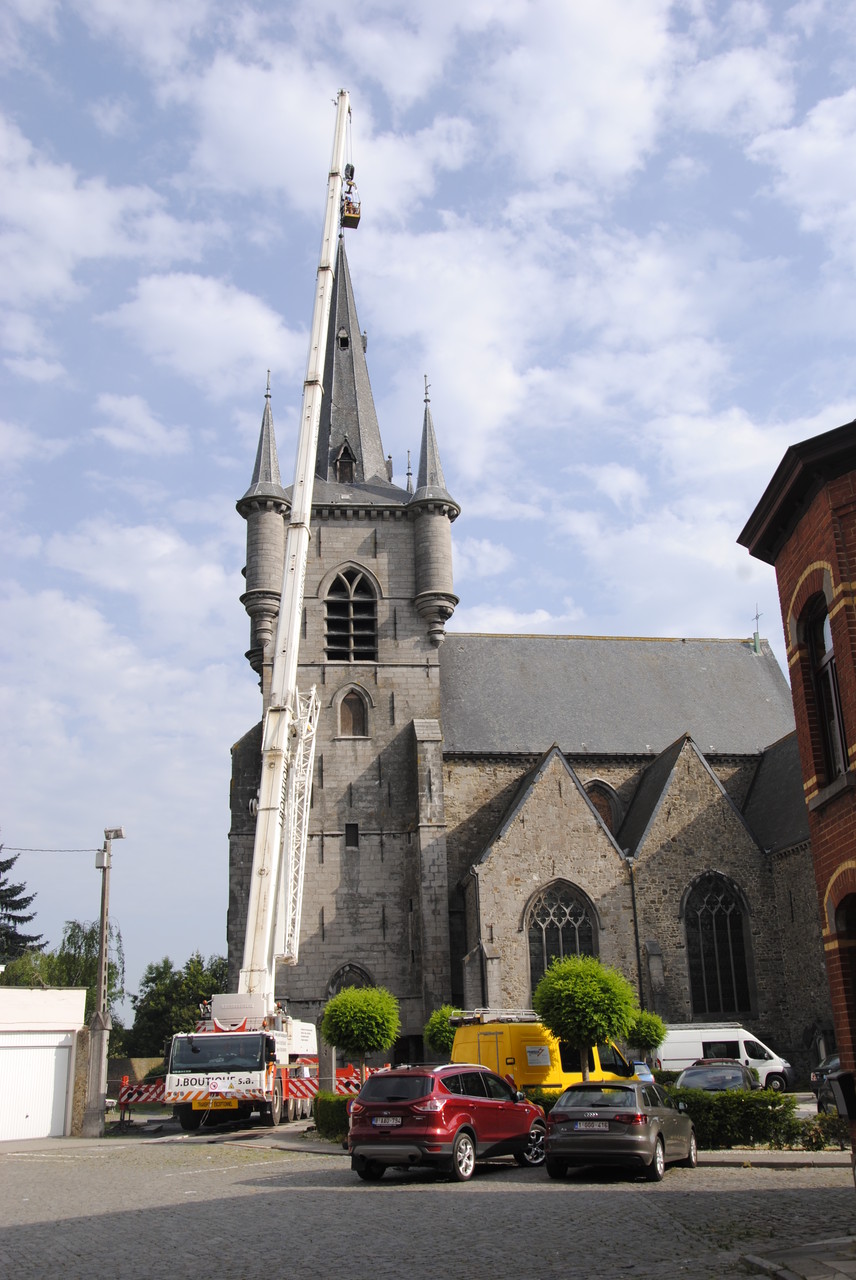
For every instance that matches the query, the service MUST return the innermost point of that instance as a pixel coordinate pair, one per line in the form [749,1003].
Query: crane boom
[288,736]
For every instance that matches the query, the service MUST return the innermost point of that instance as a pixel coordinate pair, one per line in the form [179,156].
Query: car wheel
[463,1157]
[534,1153]
[556,1168]
[692,1154]
[189,1119]
[368,1170]
[777,1083]
[655,1170]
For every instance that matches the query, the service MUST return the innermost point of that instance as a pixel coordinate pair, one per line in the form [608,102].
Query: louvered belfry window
[351,619]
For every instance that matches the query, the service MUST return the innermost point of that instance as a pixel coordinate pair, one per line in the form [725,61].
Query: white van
[687,1041]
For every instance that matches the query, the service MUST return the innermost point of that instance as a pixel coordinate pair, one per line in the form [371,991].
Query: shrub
[825,1130]
[648,1032]
[331,1115]
[583,1002]
[545,1098]
[439,1032]
[739,1118]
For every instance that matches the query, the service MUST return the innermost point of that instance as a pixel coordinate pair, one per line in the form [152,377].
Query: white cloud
[578,89]
[503,619]
[132,427]
[112,116]
[479,558]
[19,444]
[177,586]
[53,220]
[743,90]
[624,486]
[35,368]
[814,169]
[218,337]
[158,32]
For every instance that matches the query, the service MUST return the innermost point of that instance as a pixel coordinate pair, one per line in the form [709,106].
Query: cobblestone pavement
[246,1206]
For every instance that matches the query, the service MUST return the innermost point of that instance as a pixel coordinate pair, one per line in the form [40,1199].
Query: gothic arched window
[715,919]
[350,618]
[353,720]
[560,922]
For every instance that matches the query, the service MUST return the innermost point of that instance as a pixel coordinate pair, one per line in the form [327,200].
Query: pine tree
[14,901]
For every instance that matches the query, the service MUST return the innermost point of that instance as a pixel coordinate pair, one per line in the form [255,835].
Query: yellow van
[515,1044]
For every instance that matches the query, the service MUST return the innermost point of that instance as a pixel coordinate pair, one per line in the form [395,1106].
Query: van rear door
[489,1050]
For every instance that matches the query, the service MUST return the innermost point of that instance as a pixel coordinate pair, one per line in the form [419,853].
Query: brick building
[805,525]
[484,802]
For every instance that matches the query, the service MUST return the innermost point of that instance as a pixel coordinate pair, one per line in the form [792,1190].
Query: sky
[619,239]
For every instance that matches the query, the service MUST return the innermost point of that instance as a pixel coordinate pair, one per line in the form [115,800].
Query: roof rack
[469,1016]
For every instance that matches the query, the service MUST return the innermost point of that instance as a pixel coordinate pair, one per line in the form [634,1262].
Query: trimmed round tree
[438,1030]
[583,1002]
[360,1021]
[648,1032]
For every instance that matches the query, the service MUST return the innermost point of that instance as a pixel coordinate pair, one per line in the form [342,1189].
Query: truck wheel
[291,1112]
[189,1119]
[776,1082]
[272,1111]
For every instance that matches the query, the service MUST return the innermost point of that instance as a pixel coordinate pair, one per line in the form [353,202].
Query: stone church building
[482,803]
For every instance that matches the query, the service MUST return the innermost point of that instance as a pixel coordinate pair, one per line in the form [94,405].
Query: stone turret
[434,510]
[263,507]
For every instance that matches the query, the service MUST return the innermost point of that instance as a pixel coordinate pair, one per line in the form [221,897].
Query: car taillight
[355,1108]
[430,1104]
[630,1117]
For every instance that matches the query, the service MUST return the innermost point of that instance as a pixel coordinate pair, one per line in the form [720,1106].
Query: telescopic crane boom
[288,737]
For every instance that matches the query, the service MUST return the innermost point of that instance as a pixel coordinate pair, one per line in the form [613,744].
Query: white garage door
[34,1071]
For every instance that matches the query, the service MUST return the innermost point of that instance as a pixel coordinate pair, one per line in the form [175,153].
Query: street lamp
[100,1023]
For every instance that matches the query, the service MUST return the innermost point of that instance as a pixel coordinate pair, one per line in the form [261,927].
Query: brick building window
[350,618]
[824,686]
[353,718]
[715,922]
[560,922]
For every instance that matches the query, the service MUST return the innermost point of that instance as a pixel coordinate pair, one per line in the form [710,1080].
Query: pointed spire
[409,474]
[429,480]
[266,480]
[348,416]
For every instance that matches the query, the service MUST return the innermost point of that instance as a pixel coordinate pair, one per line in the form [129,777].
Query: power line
[11,848]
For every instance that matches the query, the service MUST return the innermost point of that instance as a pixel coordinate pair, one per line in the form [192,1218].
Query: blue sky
[619,239]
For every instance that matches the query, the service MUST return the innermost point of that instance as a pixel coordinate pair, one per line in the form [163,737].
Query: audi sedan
[447,1117]
[633,1124]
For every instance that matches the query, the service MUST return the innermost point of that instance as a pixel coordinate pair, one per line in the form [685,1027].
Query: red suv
[447,1117]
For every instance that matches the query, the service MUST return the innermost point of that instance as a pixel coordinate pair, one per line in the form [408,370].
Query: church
[483,803]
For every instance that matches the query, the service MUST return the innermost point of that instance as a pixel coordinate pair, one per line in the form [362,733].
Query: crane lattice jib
[288,737]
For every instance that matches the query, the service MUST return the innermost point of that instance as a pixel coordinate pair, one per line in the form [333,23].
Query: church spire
[266,480]
[349,444]
[429,478]
[434,510]
[263,507]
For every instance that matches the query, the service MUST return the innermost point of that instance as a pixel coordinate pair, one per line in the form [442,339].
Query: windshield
[218,1052]
[381,1088]
[602,1095]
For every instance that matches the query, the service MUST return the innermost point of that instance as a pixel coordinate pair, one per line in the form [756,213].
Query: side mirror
[520,1096]
[682,1106]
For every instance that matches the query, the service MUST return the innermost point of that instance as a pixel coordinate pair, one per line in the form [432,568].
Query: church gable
[682,805]
[551,868]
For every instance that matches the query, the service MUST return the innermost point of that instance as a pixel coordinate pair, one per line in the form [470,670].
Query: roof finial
[267,389]
[427,385]
[409,474]
[756,639]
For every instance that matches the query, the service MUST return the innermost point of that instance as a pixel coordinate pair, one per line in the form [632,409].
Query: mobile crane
[237,1060]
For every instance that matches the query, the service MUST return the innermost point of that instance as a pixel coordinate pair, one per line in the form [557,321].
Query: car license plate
[386,1122]
[600,1125]
[215,1104]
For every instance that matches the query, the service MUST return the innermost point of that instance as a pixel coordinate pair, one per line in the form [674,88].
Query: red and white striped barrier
[300,1087]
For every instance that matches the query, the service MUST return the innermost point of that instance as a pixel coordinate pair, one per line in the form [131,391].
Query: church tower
[377,596]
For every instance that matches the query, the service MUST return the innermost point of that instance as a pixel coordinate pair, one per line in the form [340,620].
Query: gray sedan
[633,1124]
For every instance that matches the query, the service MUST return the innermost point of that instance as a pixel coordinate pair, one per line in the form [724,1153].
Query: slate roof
[775,807]
[648,796]
[598,695]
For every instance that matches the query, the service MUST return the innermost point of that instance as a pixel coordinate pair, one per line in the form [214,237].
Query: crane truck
[238,1059]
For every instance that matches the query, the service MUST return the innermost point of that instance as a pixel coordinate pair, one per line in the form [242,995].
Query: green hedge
[740,1118]
[545,1098]
[331,1115]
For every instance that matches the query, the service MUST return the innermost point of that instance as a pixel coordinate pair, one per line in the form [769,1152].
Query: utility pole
[100,1023]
